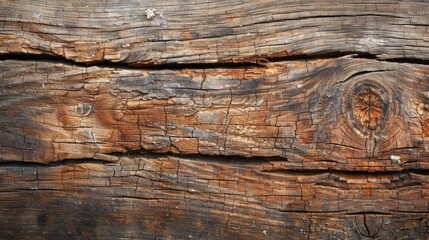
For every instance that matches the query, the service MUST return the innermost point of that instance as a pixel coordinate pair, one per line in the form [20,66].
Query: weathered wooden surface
[294,150]
[160,196]
[212,31]
[256,123]
[305,113]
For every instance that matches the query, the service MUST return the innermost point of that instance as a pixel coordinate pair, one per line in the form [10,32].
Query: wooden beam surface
[209,120]
[168,197]
[310,114]
[160,32]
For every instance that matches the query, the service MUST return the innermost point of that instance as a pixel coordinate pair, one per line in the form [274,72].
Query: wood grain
[170,197]
[308,114]
[214,119]
[213,31]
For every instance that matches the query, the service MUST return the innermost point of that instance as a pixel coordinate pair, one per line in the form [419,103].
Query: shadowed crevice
[254,62]
[234,161]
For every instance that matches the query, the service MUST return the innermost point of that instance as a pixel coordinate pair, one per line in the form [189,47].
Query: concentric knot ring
[367,107]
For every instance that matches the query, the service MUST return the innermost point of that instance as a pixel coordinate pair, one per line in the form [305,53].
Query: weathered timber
[291,145]
[310,115]
[167,197]
[214,31]
[214,120]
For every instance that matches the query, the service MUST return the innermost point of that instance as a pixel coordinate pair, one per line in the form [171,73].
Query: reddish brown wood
[212,32]
[164,196]
[209,120]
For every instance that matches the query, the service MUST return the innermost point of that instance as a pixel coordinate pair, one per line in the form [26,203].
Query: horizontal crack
[65,162]
[258,61]
[344,212]
[235,161]
[346,172]
[231,159]
[120,65]
[408,60]
[357,213]
[322,55]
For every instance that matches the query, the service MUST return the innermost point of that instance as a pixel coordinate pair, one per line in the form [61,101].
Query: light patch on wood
[150,13]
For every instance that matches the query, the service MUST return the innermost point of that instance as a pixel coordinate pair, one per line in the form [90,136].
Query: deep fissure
[236,161]
[259,62]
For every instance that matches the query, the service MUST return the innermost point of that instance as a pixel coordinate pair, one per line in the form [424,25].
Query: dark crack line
[65,162]
[339,172]
[259,62]
[233,161]
[56,59]
[216,159]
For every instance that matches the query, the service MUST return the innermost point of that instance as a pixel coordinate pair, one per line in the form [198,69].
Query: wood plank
[213,31]
[342,113]
[170,197]
[214,119]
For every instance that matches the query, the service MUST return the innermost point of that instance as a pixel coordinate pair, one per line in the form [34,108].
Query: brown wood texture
[214,120]
[212,31]
[168,197]
[310,114]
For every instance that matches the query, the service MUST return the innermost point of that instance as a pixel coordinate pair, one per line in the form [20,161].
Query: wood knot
[367,107]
